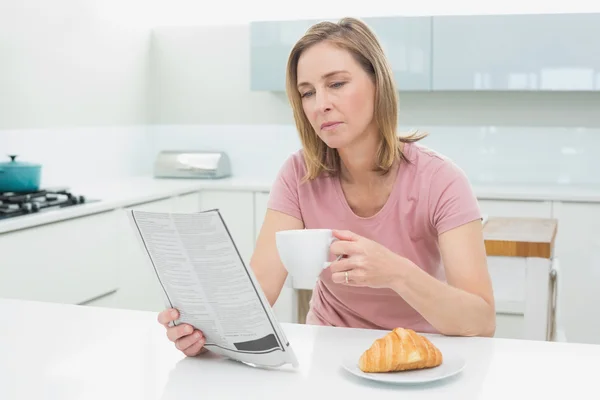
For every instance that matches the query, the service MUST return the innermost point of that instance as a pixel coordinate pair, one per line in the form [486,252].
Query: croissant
[400,350]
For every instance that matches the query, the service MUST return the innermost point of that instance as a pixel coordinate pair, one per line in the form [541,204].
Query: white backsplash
[489,155]
[255,150]
[80,155]
[515,155]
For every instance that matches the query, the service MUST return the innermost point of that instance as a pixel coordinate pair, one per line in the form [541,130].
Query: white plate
[451,365]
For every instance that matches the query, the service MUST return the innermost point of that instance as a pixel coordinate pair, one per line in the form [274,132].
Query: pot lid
[16,164]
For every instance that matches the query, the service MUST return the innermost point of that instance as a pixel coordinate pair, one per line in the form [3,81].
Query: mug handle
[326,264]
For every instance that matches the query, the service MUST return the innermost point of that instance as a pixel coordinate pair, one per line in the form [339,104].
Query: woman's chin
[335,141]
[339,139]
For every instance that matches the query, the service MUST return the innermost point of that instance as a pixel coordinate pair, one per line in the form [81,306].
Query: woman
[408,222]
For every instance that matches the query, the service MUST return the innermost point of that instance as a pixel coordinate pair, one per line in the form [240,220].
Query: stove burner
[16,204]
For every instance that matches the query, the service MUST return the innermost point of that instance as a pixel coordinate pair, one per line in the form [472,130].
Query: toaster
[192,164]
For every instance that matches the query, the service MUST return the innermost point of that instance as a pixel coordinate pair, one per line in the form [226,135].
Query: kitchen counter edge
[127,192]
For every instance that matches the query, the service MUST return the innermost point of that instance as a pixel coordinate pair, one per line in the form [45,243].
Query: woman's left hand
[367,263]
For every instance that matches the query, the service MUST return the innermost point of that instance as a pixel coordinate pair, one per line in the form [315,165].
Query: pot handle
[12,157]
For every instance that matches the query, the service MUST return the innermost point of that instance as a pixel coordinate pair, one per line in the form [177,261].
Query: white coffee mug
[304,254]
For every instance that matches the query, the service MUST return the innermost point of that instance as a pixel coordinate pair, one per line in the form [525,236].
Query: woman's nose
[323,102]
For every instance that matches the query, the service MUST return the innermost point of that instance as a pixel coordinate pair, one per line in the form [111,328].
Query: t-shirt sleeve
[283,196]
[452,202]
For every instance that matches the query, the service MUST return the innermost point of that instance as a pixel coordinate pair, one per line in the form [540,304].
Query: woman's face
[337,95]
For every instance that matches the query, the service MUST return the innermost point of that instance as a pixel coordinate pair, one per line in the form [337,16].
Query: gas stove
[18,204]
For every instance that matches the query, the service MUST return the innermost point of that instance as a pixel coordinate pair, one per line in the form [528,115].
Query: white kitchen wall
[72,63]
[193,12]
[74,79]
[201,75]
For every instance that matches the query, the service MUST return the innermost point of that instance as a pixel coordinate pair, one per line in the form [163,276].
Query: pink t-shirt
[430,195]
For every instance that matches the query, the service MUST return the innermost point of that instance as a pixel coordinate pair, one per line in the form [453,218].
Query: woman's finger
[188,341]
[345,235]
[341,265]
[343,247]
[343,277]
[167,316]
[195,349]
[179,331]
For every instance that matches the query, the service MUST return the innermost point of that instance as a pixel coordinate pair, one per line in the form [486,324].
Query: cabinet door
[550,52]
[514,208]
[186,203]
[139,286]
[71,261]
[406,42]
[270,46]
[509,326]
[578,250]
[107,301]
[237,210]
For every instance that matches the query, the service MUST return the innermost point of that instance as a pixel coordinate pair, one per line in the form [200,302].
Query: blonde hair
[356,37]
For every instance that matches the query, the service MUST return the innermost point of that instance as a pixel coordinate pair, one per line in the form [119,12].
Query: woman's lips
[327,126]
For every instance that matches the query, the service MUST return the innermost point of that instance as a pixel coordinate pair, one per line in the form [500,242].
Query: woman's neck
[358,161]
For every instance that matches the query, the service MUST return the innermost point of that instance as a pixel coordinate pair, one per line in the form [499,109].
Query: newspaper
[204,277]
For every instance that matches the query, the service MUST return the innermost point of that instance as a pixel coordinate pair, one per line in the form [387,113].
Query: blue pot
[19,177]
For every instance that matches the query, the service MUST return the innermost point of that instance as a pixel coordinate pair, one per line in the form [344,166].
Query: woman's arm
[265,261]
[462,307]
[465,305]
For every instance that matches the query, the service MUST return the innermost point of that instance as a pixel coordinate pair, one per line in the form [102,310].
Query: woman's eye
[337,84]
[306,94]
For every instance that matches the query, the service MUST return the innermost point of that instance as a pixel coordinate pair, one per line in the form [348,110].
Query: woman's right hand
[187,339]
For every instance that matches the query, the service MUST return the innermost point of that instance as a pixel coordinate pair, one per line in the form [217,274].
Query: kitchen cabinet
[186,203]
[109,300]
[237,210]
[578,249]
[406,41]
[71,261]
[270,46]
[529,52]
[139,288]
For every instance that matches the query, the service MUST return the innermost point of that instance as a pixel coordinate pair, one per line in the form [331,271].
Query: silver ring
[346,273]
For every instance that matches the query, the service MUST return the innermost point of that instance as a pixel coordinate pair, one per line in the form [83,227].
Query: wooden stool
[521,262]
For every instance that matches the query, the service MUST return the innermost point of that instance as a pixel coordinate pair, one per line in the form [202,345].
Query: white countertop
[533,192]
[52,351]
[125,192]
[135,190]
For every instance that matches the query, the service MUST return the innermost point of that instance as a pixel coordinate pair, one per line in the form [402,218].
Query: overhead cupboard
[514,52]
[406,41]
